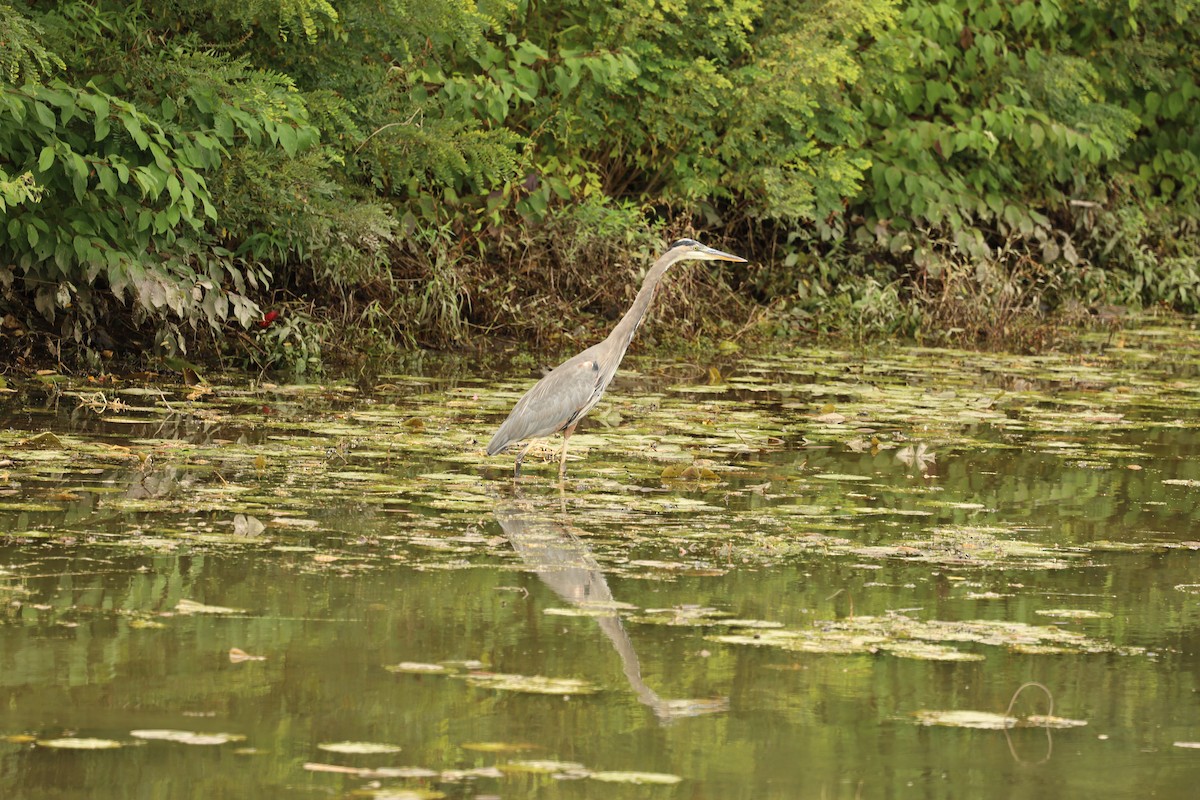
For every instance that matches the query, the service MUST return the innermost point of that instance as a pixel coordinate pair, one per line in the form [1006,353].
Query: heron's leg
[521,457]
[562,457]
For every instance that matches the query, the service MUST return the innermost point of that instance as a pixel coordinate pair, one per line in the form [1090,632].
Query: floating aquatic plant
[359,748]
[905,636]
[530,684]
[72,743]
[188,737]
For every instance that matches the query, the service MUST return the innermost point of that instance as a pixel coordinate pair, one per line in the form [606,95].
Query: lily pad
[497,747]
[925,651]
[530,684]
[188,737]
[400,793]
[901,633]
[984,720]
[682,616]
[761,624]
[372,772]
[545,767]
[417,668]
[359,748]
[1047,721]
[186,606]
[810,641]
[635,777]
[71,743]
[1073,613]
[580,611]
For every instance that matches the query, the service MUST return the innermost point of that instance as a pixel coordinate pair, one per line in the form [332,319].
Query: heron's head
[690,249]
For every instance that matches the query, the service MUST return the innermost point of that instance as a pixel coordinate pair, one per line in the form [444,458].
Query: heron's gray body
[557,402]
[561,398]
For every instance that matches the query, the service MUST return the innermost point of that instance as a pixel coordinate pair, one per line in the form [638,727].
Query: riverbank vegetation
[281,183]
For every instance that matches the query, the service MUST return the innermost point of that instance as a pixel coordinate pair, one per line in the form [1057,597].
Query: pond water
[823,574]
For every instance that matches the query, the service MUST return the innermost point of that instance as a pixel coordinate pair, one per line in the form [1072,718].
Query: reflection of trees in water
[565,564]
[179,427]
[65,413]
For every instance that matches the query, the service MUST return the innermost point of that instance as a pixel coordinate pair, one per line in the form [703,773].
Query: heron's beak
[711,254]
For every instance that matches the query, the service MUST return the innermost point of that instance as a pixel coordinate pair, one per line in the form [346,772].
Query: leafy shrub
[1035,126]
[741,103]
[417,173]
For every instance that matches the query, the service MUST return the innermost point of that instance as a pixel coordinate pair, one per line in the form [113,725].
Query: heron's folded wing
[551,405]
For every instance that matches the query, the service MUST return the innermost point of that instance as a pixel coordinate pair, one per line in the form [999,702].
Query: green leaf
[223,128]
[1175,104]
[1037,134]
[528,79]
[117,279]
[1022,13]
[46,159]
[160,157]
[79,185]
[893,177]
[45,115]
[134,126]
[287,139]
[108,181]
[1021,137]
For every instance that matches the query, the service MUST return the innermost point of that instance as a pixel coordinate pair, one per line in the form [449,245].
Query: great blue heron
[558,401]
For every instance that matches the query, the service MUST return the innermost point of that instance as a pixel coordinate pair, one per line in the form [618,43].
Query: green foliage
[435,302]
[119,192]
[582,264]
[123,168]
[22,55]
[17,190]
[1044,123]
[380,123]
[422,171]
[289,344]
[738,103]
[988,126]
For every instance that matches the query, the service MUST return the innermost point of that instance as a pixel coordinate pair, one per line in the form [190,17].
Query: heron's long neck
[627,327]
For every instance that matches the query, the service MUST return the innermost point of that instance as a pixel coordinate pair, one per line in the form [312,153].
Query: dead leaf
[237,655]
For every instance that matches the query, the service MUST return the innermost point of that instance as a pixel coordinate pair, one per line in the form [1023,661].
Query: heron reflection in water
[564,563]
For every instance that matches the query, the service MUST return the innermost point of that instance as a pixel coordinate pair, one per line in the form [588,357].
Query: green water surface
[782,577]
